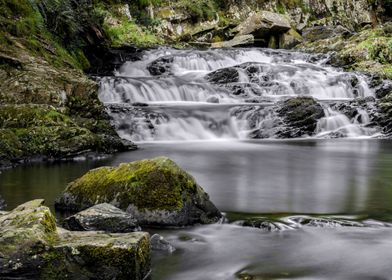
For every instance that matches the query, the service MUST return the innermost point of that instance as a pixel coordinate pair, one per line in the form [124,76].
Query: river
[314,207]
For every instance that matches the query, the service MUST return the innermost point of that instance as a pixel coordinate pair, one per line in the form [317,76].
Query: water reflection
[315,176]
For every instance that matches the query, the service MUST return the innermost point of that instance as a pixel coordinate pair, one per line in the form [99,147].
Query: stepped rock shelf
[153,192]
[244,93]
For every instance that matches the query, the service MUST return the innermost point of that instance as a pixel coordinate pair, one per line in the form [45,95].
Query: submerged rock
[32,247]
[158,243]
[155,191]
[103,217]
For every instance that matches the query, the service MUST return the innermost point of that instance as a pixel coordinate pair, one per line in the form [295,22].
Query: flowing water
[310,208]
[196,95]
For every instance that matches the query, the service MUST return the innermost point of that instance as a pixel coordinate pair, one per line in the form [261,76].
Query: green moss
[148,184]
[128,32]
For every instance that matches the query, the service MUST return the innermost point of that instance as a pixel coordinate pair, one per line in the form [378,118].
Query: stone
[160,66]
[32,247]
[27,224]
[262,24]
[302,114]
[95,255]
[157,192]
[290,39]
[224,76]
[238,41]
[158,243]
[102,217]
[317,33]
[384,89]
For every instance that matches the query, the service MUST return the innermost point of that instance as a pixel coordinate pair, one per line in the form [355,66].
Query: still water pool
[261,178]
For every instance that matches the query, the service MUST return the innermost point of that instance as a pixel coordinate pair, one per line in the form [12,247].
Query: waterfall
[224,94]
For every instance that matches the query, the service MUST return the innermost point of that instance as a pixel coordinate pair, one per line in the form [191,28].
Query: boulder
[160,66]
[32,247]
[238,41]
[224,76]
[158,243]
[317,33]
[263,24]
[95,255]
[157,192]
[290,39]
[301,115]
[28,224]
[103,217]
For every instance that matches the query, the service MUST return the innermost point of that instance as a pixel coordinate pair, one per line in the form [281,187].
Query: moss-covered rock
[47,131]
[155,191]
[28,224]
[32,247]
[93,255]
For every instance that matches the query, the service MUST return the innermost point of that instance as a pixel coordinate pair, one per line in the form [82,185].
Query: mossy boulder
[32,247]
[155,191]
[95,255]
[27,224]
[103,217]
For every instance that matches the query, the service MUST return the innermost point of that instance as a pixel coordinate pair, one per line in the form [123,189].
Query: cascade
[198,95]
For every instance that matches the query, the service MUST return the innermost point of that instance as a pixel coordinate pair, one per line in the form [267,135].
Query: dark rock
[384,89]
[156,192]
[158,243]
[160,66]
[301,113]
[224,76]
[102,217]
[104,61]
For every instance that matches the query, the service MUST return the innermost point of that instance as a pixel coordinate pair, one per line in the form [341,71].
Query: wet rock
[302,114]
[102,217]
[317,33]
[384,89]
[155,191]
[224,76]
[263,24]
[32,247]
[158,243]
[238,41]
[160,66]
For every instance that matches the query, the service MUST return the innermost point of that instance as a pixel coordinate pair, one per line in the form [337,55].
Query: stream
[314,207]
